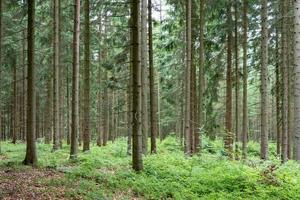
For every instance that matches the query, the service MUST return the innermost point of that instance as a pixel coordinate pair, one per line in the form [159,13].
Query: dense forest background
[215,80]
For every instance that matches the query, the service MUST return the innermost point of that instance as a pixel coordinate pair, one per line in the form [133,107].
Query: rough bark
[31,155]
[187,116]
[86,112]
[237,79]
[137,160]
[228,117]
[245,79]
[297,80]
[264,81]
[153,99]
[56,103]
[75,81]
[284,141]
[15,109]
[201,72]
[144,67]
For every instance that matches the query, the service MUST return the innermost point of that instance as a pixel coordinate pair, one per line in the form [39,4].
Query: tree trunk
[144,88]
[297,79]
[187,77]
[14,66]
[0,70]
[49,112]
[75,81]
[137,158]
[153,99]
[278,98]
[201,72]
[56,102]
[237,79]
[264,81]
[31,155]
[228,119]
[86,112]
[284,141]
[245,79]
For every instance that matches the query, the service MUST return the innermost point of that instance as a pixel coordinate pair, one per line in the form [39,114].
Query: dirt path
[30,184]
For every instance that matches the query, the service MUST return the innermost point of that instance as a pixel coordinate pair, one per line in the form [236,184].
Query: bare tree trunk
[86,112]
[0,71]
[56,103]
[31,155]
[284,141]
[245,79]
[297,79]
[264,81]
[153,99]
[144,88]
[14,66]
[228,119]
[49,112]
[137,158]
[187,131]
[75,81]
[278,99]
[237,80]
[201,72]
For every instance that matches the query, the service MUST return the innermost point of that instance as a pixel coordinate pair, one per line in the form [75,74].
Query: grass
[105,173]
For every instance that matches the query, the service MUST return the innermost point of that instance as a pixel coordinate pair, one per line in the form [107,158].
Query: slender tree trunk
[31,155]
[237,79]
[49,112]
[228,119]
[56,102]
[75,81]
[245,79]
[144,88]
[86,118]
[137,158]
[105,98]
[201,72]
[153,99]
[187,77]
[264,81]
[297,79]
[24,86]
[14,133]
[278,99]
[284,141]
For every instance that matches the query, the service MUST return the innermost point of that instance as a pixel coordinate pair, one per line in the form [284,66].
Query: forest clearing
[150,99]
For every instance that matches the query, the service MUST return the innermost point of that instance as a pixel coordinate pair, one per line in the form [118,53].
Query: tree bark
[187,131]
[245,79]
[144,88]
[153,99]
[297,79]
[228,119]
[75,81]
[14,66]
[86,112]
[56,103]
[31,155]
[137,158]
[264,81]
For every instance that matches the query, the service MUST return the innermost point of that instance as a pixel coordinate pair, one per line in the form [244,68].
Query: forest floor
[105,173]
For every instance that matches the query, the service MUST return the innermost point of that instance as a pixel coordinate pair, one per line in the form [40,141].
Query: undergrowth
[105,172]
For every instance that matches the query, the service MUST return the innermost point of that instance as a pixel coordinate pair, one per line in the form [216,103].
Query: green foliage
[105,173]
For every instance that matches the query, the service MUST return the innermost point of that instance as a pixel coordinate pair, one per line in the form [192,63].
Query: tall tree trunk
[245,79]
[14,66]
[56,102]
[49,112]
[264,81]
[75,81]
[201,72]
[284,141]
[137,158]
[187,131]
[228,119]
[278,99]
[24,86]
[153,98]
[144,88]
[31,155]
[105,108]
[86,112]
[237,79]
[297,79]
